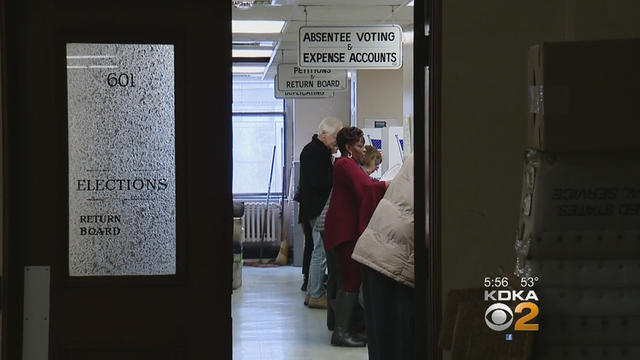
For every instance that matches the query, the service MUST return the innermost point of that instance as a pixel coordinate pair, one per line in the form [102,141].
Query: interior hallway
[270,321]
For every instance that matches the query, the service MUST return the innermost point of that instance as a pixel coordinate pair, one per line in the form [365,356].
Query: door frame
[4,299]
[11,279]
[427,120]
[434,18]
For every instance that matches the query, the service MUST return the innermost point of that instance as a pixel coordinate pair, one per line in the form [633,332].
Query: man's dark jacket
[316,178]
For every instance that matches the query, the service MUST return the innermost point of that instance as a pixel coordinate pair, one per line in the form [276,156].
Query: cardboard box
[466,334]
[454,299]
[581,191]
[584,95]
[579,205]
[473,340]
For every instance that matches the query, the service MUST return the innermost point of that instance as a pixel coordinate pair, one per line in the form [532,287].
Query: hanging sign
[300,94]
[291,77]
[350,47]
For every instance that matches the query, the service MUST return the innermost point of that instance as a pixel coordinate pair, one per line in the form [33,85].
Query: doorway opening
[270,129]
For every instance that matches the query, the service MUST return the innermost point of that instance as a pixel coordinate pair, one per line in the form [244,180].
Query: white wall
[407,90]
[484,107]
[289,142]
[309,112]
[380,96]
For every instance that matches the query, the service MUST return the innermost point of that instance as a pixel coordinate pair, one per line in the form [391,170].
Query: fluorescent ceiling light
[243,4]
[92,66]
[253,69]
[250,53]
[410,3]
[90,56]
[256,26]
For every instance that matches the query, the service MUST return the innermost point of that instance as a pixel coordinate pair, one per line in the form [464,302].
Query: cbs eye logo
[499,317]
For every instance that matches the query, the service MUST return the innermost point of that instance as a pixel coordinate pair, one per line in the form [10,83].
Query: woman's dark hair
[348,135]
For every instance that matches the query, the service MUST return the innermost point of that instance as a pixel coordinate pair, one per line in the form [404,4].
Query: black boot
[358,328]
[333,284]
[305,281]
[342,335]
[360,336]
[331,315]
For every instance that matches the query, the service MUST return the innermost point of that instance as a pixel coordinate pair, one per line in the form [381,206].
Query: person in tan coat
[385,252]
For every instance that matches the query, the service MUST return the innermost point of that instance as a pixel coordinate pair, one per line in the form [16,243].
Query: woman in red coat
[354,198]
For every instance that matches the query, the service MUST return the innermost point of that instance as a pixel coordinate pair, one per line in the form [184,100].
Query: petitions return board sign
[299,94]
[350,47]
[291,77]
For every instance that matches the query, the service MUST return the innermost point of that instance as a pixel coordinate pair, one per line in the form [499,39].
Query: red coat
[353,199]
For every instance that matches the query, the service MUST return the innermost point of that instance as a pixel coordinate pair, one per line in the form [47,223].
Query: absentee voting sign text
[350,47]
[291,77]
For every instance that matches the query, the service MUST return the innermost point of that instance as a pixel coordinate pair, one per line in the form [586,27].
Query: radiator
[255,223]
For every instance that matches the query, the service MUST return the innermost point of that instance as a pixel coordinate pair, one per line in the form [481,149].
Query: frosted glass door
[122,188]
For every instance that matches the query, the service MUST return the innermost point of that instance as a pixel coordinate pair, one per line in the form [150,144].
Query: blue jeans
[318,266]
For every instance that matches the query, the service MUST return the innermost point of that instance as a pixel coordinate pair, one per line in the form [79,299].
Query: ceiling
[298,13]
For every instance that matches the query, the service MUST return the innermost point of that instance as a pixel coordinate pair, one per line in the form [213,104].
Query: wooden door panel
[182,316]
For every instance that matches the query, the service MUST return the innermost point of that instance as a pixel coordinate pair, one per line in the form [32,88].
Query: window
[258,127]
[122,187]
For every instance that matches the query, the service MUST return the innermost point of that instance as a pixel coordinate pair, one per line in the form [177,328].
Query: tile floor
[270,321]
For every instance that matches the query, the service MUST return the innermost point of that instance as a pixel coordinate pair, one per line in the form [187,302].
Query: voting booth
[389,140]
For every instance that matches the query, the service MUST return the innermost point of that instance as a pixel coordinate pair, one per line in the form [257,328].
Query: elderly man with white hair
[316,180]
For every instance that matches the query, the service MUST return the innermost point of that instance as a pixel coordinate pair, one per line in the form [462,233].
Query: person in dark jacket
[316,180]
[354,198]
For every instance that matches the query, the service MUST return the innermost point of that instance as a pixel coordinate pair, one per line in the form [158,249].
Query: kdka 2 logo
[500,317]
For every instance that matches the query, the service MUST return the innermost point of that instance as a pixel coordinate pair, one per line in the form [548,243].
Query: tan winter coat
[386,245]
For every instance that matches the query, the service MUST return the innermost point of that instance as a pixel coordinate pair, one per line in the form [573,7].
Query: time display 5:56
[496,282]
